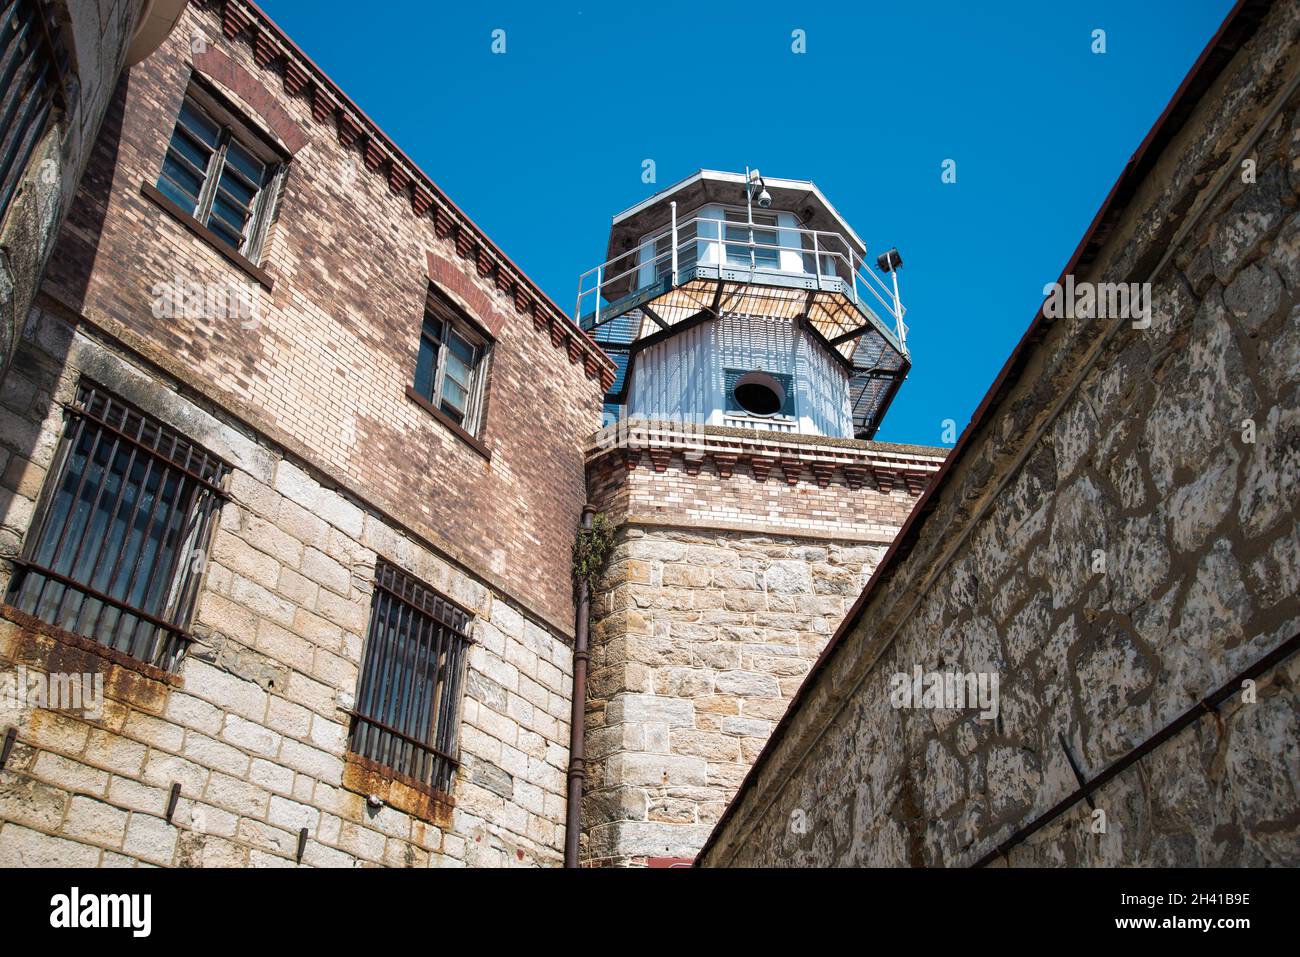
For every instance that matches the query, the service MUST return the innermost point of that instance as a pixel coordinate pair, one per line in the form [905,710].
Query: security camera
[764,199]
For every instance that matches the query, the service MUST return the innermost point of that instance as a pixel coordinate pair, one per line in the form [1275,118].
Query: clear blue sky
[542,145]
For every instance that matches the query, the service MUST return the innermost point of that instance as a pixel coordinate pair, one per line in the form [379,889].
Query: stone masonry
[736,557]
[95,37]
[252,726]
[1117,539]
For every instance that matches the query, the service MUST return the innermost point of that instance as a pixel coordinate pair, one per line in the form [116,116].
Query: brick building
[278,487]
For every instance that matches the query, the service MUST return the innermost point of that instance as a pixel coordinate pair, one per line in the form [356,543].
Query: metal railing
[32,77]
[824,260]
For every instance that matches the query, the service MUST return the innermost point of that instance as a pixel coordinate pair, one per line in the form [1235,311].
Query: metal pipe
[673,281]
[577,718]
[1210,703]
[898,309]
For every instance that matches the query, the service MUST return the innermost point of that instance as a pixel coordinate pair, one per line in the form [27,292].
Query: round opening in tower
[759,393]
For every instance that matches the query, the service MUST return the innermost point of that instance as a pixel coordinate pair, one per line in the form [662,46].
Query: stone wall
[95,36]
[725,582]
[252,726]
[1116,539]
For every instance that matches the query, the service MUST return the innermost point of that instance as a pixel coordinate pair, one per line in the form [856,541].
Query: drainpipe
[577,759]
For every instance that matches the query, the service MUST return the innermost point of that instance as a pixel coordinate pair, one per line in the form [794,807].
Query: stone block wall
[253,725]
[95,36]
[1117,541]
[724,583]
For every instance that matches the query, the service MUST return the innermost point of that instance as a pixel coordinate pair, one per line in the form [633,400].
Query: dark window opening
[758,393]
[408,695]
[451,368]
[117,548]
[221,174]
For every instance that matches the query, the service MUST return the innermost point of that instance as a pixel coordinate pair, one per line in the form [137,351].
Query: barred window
[220,173]
[115,551]
[408,695]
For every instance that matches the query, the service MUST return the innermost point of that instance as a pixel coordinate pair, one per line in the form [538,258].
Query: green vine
[590,550]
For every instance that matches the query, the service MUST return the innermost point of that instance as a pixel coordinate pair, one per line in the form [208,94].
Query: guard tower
[758,348]
[728,299]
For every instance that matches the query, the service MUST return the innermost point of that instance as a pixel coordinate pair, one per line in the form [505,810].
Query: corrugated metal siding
[683,377]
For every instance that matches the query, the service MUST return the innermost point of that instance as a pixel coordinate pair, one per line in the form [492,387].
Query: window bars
[116,551]
[32,71]
[408,696]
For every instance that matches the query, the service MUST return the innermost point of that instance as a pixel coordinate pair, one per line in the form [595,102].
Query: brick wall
[1118,540]
[350,261]
[334,468]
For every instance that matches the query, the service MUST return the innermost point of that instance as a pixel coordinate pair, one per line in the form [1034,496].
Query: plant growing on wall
[590,550]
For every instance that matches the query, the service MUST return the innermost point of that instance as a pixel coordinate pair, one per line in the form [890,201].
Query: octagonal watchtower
[758,349]
[731,300]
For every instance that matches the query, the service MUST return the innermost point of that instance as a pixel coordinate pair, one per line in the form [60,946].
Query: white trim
[718,176]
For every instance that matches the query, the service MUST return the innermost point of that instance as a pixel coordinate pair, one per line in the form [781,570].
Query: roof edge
[245,17]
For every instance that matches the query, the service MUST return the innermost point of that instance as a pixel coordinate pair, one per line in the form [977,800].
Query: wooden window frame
[448,316]
[231,128]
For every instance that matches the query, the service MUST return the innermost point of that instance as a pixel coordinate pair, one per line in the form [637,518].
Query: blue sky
[543,144]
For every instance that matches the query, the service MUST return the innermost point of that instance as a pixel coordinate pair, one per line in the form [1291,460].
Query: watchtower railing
[827,258]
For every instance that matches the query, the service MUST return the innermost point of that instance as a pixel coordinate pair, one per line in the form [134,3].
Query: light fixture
[889,261]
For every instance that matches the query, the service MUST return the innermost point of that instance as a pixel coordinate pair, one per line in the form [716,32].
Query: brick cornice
[215,65]
[273,51]
[798,458]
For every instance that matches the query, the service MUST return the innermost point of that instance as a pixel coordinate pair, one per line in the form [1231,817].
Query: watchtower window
[687,251]
[759,393]
[765,255]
